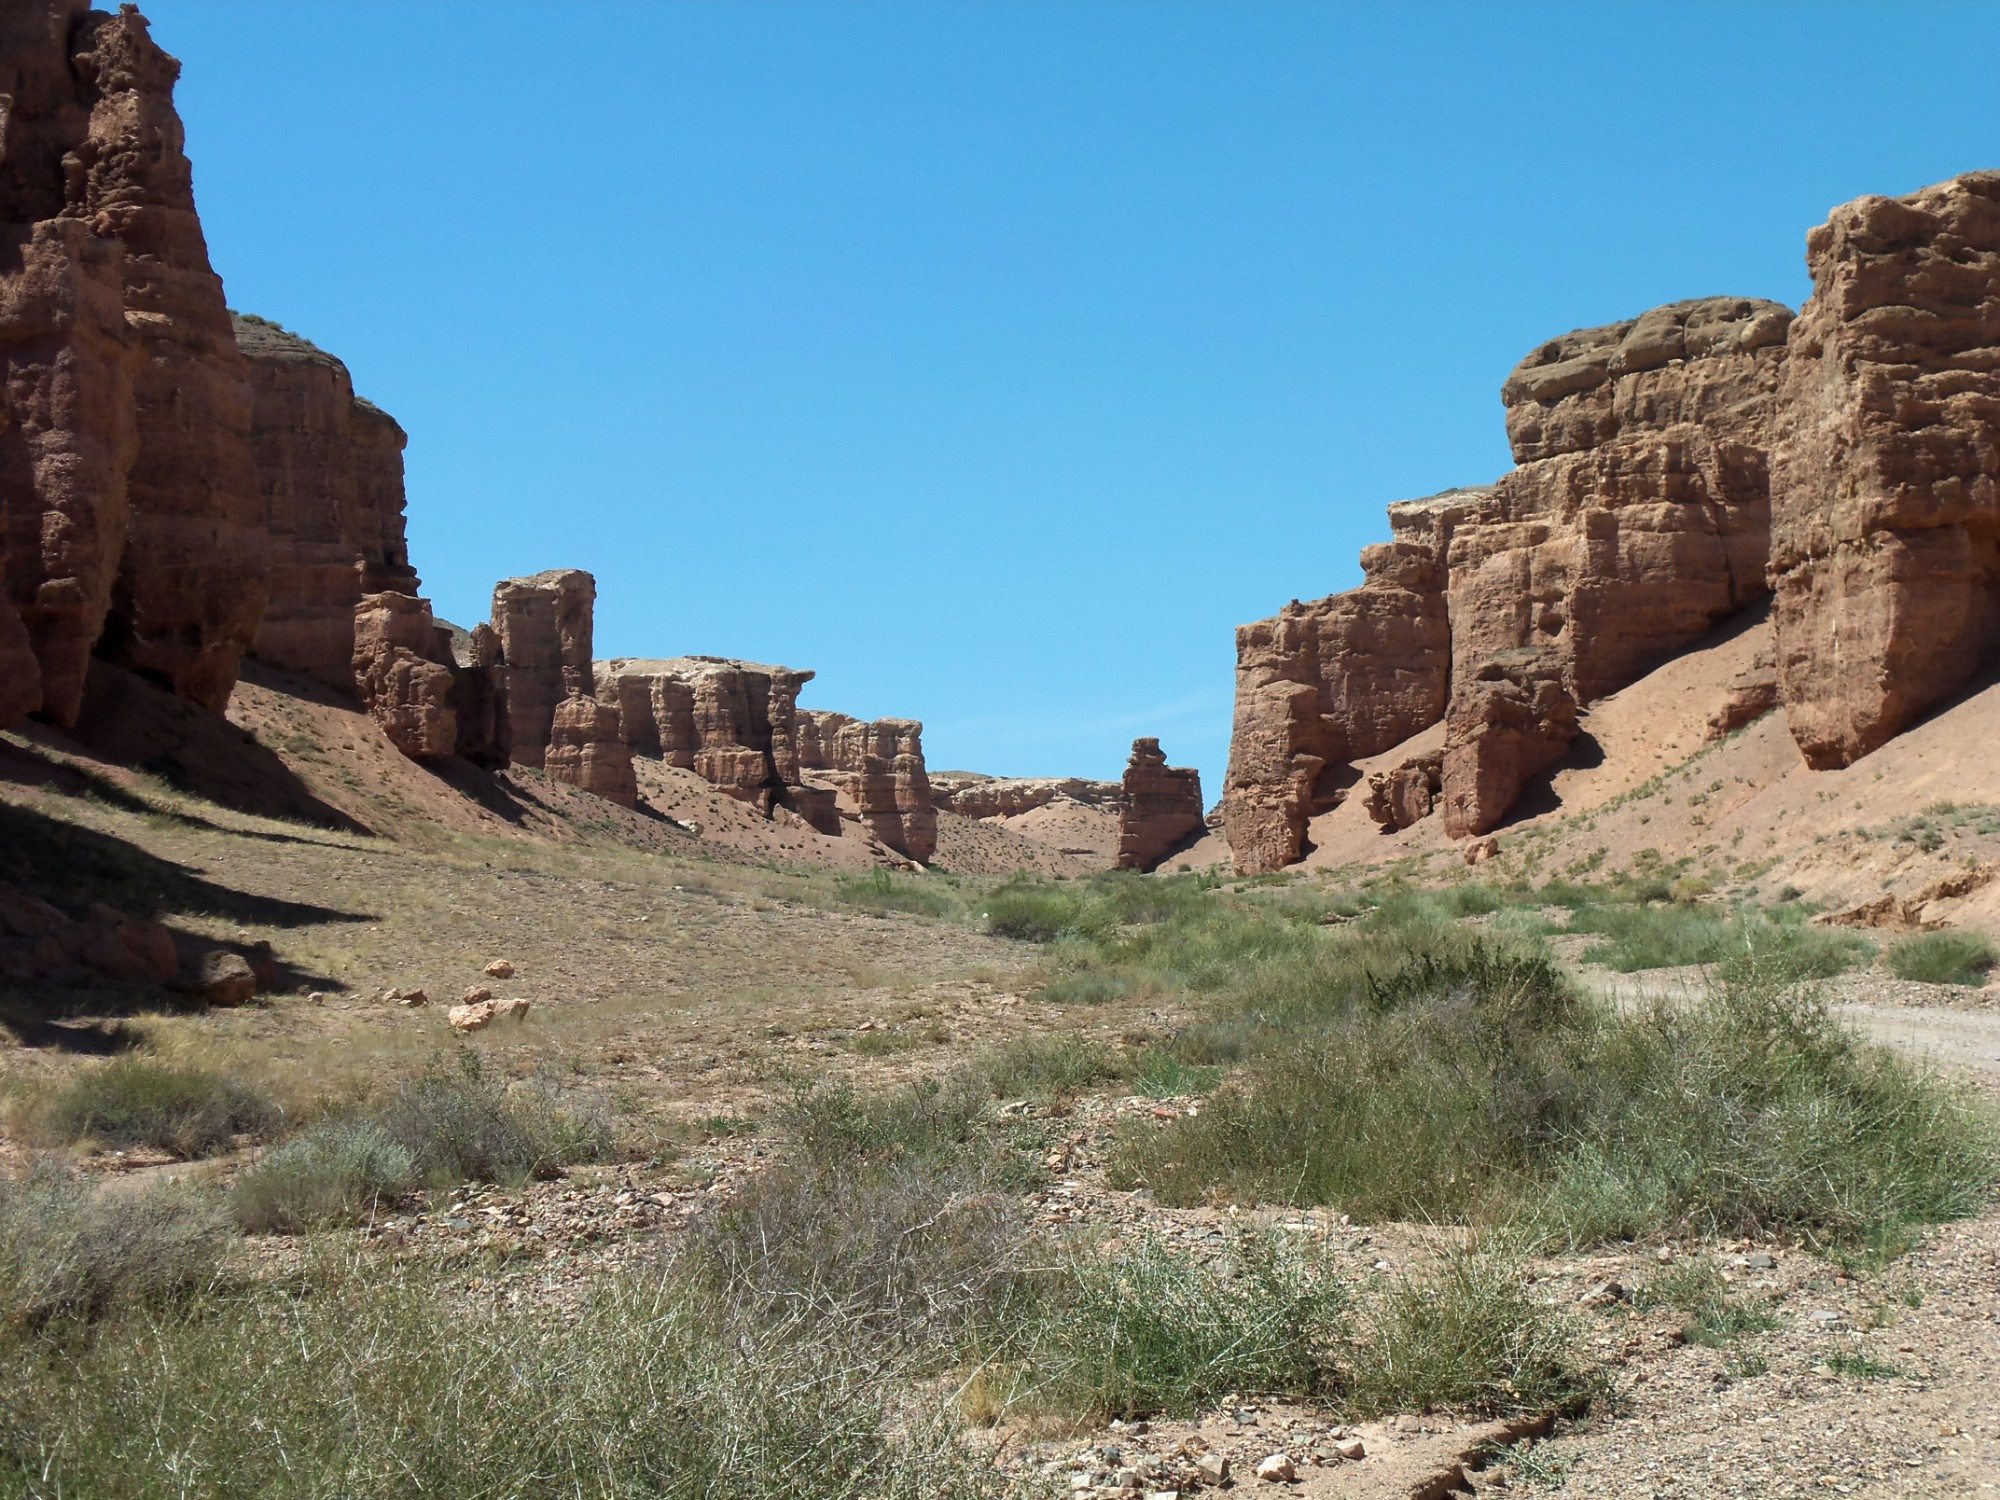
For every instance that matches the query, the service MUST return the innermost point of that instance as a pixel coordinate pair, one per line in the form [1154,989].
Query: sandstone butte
[1672,471]
[1160,809]
[972,795]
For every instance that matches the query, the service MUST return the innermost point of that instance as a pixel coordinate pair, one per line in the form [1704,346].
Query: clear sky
[996,360]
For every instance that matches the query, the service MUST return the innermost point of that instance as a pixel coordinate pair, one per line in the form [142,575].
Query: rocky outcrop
[1160,808]
[20,673]
[40,942]
[877,768]
[398,677]
[478,693]
[1340,679]
[974,796]
[544,625]
[1885,554]
[734,723]
[330,478]
[1746,697]
[1514,720]
[191,586]
[586,750]
[1405,794]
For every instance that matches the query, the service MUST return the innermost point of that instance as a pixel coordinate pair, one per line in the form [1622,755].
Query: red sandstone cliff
[878,769]
[330,477]
[544,625]
[1885,549]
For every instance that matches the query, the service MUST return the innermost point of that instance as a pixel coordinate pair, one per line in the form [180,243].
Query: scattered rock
[475,994]
[1277,1469]
[483,1013]
[220,978]
[1213,1468]
[499,969]
[1351,1449]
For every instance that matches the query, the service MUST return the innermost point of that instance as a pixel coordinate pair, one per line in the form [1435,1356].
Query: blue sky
[995,361]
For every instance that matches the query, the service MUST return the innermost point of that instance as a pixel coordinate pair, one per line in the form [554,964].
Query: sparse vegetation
[134,1100]
[335,1173]
[1950,957]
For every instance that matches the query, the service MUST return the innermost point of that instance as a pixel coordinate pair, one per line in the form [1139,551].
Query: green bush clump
[1954,957]
[335,1173]
[881,892]
[459,1125]
[137,1101]
[74,1251]
[1038,1067]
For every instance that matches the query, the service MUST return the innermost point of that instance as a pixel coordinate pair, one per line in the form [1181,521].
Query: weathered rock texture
[734,723]
[398,677]
[1747,696]
[1885,553]
[544,625]
[330,477]
[1340,679]
[1511,722]
[37,941]
[1160,808]
[478,694]
[1407,793]
[586,750]
[878,769]
[974,796]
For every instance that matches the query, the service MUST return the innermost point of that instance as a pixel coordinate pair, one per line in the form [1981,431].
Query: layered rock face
[1340,679]
[478,694]
[409,692]
[191,586]
[1406,794]
[585,749]
[330,477]
[734,723]
[878,768]
[1160,807]
[1885,553]
[544,625]
[974,796]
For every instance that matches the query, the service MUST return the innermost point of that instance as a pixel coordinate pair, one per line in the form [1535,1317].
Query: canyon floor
[689,984]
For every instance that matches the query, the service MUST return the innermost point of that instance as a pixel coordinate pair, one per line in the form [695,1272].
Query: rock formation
[37,941]
[1747,697]
[1406,794]
[586,750]
[330,477]
[877,767]
[478,694]
[399,680]
[734,723]
[1885,553]
[1511,722]
[1338,680]
[974,796]
[544,625]
[1161,807]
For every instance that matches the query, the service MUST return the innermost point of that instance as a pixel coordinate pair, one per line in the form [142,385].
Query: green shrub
[458,1125]
[384,1383]
[1162,1075]
[1955,957]
[1469,1337]
[136,1101]
[880,892]
[833,1126]
[1038,1067]
[1034,913]
[1088,988]
[1714,1318]
[1155,1330]
[72,1250]
[335,1173]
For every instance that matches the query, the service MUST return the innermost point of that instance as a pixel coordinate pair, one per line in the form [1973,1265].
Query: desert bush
[1042,1067]
[1668,935]
[72,1250]
[138,1101]
[832,1126]
[1088,987]
[1163,1075]
[1467,1335]
[1954,957]
[387,1383]
[459,1125]
[1037,912]
[335,1173]
[1156,1330]
[881,892]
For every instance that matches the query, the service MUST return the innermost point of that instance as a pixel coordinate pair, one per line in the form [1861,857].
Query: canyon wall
[971,795]
[330,477]
[1886,487]
[544,625]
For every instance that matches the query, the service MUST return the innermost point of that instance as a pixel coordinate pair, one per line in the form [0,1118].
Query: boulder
[407,692]
[1340,679]
[330,478]
[585,749]
[877,769]
[483,1013]
[544,626]
[1407,793]
[1885,548]
[218,977]
[1161,807]
[1747,697]
[1513,721]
